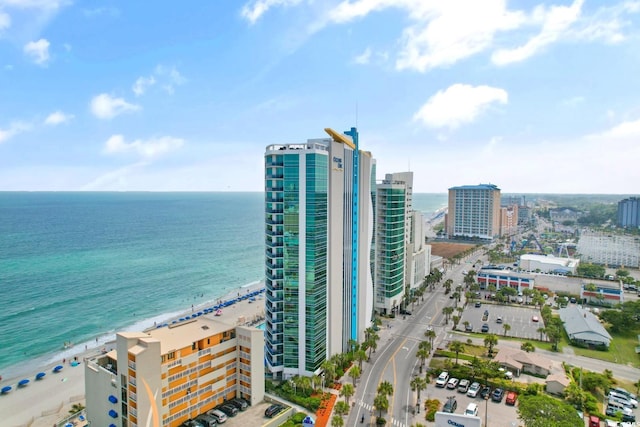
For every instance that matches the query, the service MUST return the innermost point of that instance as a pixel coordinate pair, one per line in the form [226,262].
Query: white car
[453,383]
[474,389]
[442,379]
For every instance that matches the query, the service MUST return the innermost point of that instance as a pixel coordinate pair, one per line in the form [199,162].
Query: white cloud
[146,150]
[629,130]
[554,22]
[142,83]
[573,101]
[458,104]
[104,106]
[14,129]
[57,118]
[5,21]
[38,51]
[170,76]
[363,58]
[253,10]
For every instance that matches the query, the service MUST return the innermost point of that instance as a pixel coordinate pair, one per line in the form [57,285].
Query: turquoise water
[76,267]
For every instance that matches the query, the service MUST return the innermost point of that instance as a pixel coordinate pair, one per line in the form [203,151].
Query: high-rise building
[474,211]
[174,373]
[401,253]
[629,213]
[318,233]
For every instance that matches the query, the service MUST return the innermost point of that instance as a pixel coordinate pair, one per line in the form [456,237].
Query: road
[395,360]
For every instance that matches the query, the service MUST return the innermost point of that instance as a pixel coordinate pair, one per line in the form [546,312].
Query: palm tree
[360,357]
[528,347]
[386,388]
[456,346]
[418,384]
[347,391]
[353,345]
[490,341]
[430,334]
[381,403]
[424,348]
[542,331]
[466,324]
[341,408]
[329,369]
[354,373]
[507,328]
[76,407]
[337,421]
[456,320]
[447,312]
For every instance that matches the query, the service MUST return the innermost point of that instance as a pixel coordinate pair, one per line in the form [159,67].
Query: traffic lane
[498,414]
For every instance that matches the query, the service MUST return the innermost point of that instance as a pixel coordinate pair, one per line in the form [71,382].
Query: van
[472,410]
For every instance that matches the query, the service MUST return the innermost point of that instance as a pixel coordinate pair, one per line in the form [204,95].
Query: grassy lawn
[622,350]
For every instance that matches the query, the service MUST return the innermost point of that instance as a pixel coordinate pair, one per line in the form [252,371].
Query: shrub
[380,421]
[431,406]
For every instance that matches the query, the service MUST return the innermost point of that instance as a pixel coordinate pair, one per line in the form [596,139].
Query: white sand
[44,402]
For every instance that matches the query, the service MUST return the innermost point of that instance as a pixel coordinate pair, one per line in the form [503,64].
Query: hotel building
[174,373]
[474,211]
[629,213]
[318,236]
[401,255]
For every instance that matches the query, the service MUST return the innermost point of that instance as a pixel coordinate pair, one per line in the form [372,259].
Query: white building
[548,264]
[609,249]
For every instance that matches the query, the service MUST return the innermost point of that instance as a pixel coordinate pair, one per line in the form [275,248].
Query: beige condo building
[168,375]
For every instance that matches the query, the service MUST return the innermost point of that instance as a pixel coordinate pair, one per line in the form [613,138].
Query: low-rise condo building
[168,375]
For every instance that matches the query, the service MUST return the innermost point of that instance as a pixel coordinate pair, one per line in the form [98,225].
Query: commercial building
[401,255]
[502,278]
[508,220]
[518,361]
[173,373]
[601,292]
[548,264]
[318,238]
[629,213]
[583,327]
[474,212]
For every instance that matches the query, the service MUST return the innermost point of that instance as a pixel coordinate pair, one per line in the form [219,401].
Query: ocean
[75,267]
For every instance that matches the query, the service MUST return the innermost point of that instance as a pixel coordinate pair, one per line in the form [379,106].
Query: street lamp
[486,409]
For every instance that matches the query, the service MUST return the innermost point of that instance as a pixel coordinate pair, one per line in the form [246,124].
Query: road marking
[405,348]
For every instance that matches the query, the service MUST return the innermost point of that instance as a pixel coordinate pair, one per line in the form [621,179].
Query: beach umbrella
[6,389]
[113,414]
[23,382]
[58,368]
[40,375]
[113,399]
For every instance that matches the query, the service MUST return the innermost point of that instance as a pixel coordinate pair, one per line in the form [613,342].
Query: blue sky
[172,96]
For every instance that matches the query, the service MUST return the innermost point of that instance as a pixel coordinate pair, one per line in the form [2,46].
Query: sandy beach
[45,402]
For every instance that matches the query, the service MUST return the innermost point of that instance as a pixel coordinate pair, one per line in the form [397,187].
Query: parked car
[450,405]
[511,398]
[273,410]
[452,383]
[499,319]
[220,416]
[240,404]
[478,304]
[463,385]
[485,327]
[497,395]
[623,395]
[472,410]
[473,389]
[442,379]
[229,410]
[468,327]
[405,312]
[485,392]
[535,319]
[207,420]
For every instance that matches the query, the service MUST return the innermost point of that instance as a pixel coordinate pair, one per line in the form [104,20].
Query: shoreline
[47,401]
[12,373]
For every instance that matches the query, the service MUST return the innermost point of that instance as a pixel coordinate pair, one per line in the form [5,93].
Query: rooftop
[476,187]
[583,325]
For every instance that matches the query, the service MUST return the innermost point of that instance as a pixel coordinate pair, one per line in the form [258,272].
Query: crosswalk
[369,407]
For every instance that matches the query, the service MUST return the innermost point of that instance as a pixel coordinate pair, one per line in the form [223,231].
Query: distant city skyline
[120,96]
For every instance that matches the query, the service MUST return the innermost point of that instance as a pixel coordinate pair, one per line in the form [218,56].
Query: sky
[532,96]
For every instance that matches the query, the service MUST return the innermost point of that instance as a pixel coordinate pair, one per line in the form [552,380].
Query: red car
[511,398]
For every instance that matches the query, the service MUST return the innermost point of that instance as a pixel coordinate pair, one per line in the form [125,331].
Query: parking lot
[518,317]
[254,416]
[498,414]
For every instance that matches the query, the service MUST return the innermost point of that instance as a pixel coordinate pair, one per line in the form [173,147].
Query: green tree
[386,388]
[490,341]
[575,396]
[430,334]
[457,347]
[456,320]
[418,384]
[591,270]
[528,347]
[424,349]
[341,408]
[538,410]
[381,403]
[506,327]
[76,407]
[337,421]
[447,312]
[347,391]
[354,373]
[360,357]
[329,369]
